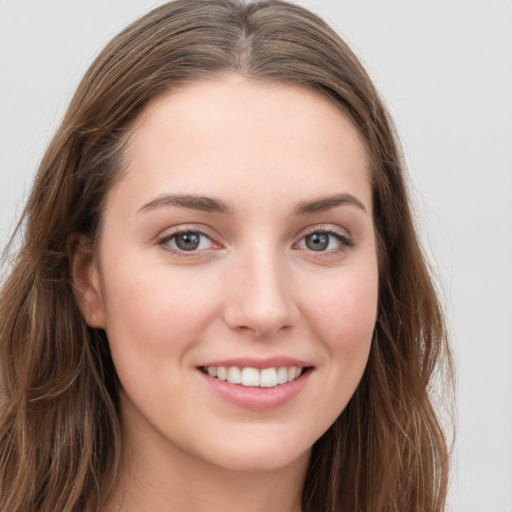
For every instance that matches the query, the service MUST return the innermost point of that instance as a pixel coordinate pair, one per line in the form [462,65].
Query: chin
[260,453]
[262,461]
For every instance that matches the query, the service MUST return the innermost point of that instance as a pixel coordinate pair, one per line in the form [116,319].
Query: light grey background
[445,70]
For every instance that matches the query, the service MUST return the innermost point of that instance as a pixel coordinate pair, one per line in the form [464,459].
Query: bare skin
[241,231]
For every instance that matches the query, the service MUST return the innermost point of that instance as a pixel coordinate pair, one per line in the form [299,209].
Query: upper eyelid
[342,238]
[206,231]
[164,238]
[184,228]
[324,228]
[164,243]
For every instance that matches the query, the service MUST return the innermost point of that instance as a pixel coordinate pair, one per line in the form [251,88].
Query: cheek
[152,312]
[343,314]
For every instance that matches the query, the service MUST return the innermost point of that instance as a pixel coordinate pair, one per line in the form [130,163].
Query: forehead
[232,133]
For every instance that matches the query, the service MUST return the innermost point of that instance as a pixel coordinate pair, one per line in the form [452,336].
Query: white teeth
[250,377]
[266,378]
[282,375]
[234,375]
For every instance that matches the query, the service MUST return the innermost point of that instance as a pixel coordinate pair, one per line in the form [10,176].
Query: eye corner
[323,241]
[194,241]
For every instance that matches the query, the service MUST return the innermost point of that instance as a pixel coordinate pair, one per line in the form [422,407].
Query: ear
[85,279]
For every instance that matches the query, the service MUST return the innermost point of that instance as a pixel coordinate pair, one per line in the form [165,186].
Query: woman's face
[238,244]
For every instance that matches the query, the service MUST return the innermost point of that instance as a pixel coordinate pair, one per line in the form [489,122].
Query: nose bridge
[261,299]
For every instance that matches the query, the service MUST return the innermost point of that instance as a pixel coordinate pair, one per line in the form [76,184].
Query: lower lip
[256,398]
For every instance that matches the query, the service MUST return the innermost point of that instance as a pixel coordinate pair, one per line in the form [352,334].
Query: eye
[317,241]
[187,241]
[325,241]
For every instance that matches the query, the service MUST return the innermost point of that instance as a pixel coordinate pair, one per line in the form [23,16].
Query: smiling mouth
[253,377]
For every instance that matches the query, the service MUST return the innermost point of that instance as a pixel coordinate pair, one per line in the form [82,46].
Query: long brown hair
[60,441]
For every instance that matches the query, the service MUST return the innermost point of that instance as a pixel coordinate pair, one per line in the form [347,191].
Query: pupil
[188,241]
[317,241]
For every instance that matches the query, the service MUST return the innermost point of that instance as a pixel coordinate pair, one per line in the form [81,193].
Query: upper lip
[258,363]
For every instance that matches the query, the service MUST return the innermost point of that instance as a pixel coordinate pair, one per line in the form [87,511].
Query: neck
[216,492]
[157,476]
[197,488]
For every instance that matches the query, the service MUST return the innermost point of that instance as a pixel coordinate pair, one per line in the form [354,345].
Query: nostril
[262,330]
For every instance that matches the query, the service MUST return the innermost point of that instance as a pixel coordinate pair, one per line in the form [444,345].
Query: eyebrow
[205,204]
[328,203]
[211,205]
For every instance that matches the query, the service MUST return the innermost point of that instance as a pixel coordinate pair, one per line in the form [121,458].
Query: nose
[260,297]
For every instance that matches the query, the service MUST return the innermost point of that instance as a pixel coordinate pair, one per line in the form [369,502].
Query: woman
[220,301]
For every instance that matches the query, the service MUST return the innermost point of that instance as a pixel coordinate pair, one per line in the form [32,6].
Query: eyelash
[345,241]
[165,240]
